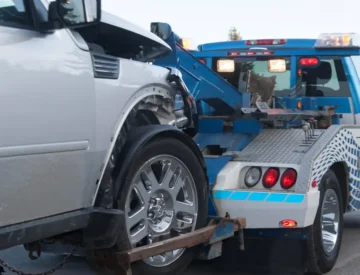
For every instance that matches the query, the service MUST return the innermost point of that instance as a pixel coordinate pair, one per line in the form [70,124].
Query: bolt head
[150,215]
[153,201]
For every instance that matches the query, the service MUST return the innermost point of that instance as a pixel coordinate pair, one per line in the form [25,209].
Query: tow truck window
[326,80]
[13,13]
[259,66]
[356,62]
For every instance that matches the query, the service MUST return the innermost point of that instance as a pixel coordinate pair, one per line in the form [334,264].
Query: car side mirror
[75,13]
[162,30]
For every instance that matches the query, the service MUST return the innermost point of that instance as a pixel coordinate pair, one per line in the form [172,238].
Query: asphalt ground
[233,262]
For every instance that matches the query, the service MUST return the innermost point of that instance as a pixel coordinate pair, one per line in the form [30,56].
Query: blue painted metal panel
[281,233]
[354,83]
[212,211]
[313,103]
[281,52]
[239,126]
[297,45]
[293,82]
[248,126]
[270,197]
[230,45]
[226,141]
[201,81]
[210,126]
[214,166]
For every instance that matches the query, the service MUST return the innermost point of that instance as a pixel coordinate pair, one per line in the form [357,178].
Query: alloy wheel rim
[161,203]
[330,218]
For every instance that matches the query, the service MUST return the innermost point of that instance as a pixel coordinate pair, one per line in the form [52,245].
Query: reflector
[288,223]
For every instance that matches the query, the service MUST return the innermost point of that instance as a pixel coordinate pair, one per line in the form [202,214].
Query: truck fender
[140,136]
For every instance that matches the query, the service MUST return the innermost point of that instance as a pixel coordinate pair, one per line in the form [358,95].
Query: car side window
[326,80]
[14,13]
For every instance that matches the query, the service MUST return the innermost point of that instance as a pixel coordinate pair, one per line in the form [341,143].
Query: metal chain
[51,271]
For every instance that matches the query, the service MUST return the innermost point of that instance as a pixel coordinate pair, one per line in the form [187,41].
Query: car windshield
[13,12]
[259,66]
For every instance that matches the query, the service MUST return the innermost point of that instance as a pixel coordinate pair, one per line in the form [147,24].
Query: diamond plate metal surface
[336,144]
[342,147]
[277,146]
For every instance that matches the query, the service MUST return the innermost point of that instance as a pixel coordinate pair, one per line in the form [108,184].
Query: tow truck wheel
[325,235]
[165,196]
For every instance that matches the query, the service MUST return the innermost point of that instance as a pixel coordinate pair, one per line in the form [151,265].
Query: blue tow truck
[277,124]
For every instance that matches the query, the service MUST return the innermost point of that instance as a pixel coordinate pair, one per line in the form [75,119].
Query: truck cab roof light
[309,61]
[249,53]
[338,40]
[265,42]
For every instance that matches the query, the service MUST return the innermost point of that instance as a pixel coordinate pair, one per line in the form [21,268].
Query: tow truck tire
[172,149]
[322,257]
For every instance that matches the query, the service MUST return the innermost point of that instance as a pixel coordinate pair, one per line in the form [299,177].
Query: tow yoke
[216,231]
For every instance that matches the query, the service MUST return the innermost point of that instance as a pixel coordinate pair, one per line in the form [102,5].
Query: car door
[47,119]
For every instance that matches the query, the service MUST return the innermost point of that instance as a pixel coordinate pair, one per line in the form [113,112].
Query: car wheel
[165,194]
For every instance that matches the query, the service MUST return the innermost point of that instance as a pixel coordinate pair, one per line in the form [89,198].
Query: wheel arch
[135,140]
[342,173]
[142,135]
[150,101]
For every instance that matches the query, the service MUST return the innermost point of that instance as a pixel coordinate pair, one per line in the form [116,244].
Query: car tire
[321,256]
[159,200]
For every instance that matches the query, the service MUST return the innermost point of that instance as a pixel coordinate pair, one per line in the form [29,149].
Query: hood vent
[105,66]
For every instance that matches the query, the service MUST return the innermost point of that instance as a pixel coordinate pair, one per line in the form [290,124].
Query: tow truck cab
[319,72]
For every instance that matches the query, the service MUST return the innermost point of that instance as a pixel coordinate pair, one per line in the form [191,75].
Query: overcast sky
[209,20]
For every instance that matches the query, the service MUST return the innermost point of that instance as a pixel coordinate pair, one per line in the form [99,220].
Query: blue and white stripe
[258,196]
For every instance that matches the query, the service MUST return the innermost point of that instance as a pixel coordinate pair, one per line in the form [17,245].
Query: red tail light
[288,179]
[309,62]
[271,177]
